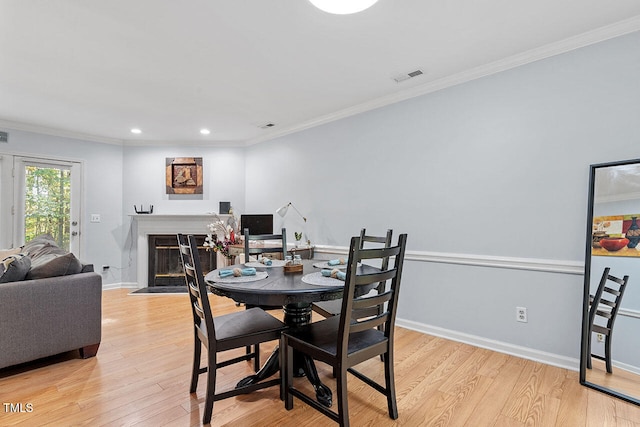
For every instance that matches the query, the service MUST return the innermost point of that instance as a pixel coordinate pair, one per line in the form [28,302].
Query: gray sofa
[46,316]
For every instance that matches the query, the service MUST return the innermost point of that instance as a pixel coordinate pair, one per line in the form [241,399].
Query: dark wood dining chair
[605,305]
[348,339]
[278,244]
[221,333]
[332,308]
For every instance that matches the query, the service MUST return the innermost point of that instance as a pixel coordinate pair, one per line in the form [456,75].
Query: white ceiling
[97,68]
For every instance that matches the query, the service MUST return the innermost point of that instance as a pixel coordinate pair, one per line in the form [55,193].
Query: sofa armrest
[43,317]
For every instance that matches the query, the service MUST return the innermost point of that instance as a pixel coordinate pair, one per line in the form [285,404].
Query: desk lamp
[282,211]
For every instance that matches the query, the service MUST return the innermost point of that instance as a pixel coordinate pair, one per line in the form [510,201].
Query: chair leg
[589,350]
[282,367]
[381,329]
[343,403]
[287,373]
[389,378]
[256,359]
[195,370]
[607,352]
[211,387]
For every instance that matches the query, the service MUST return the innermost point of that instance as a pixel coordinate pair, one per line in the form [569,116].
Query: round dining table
[289,291]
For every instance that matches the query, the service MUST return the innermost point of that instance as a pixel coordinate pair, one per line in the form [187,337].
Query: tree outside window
[48,203]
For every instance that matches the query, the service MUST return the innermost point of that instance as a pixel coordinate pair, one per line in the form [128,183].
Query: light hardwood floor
[140,377]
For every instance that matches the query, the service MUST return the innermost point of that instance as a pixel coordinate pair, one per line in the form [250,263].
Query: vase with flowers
[221,235]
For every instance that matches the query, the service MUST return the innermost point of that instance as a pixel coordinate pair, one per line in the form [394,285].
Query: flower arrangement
[220,237]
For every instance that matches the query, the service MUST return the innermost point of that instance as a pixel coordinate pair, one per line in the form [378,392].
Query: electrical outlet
[95,218]
[600,337]
[521,314]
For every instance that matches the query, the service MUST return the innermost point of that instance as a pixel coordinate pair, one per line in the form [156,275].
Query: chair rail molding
[532,264]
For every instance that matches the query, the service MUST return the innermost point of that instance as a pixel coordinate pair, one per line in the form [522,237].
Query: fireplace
[144,226]
[165,266]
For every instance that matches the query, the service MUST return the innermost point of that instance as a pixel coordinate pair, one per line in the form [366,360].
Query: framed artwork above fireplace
[184,175]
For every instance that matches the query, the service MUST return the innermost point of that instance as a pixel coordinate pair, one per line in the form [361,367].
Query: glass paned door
[48,201]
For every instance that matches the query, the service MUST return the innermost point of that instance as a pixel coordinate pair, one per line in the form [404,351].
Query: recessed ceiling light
[136,131]
[205,131]
[343,7]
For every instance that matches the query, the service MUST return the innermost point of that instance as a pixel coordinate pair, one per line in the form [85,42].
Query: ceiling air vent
[402,77]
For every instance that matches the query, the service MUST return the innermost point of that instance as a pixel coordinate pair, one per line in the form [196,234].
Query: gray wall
[102,169]
[144,184]
[489,178]
[497,167]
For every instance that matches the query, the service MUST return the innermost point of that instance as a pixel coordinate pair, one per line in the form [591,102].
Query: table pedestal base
[295,315]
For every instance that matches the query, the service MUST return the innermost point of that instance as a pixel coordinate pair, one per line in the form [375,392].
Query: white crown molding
[29,127]
[572,43]
[183,143]
[591,37]
[530,264]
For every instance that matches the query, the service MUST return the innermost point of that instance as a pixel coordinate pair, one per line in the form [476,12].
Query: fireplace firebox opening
[165,267]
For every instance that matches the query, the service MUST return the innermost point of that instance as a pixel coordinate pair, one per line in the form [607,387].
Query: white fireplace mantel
[165,224]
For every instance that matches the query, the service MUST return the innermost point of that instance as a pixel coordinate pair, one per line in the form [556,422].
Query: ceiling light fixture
[136,131]
[343,7]
[205,131]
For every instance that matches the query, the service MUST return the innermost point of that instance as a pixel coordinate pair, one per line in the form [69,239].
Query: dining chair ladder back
[221,333]
[260,249]
[350,338]
[332,307]
[605,305]
[278,244]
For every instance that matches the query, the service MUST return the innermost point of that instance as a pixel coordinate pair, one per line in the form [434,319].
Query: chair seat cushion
[322,336]
[253,322]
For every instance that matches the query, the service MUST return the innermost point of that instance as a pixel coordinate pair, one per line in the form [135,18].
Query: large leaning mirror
[610,354]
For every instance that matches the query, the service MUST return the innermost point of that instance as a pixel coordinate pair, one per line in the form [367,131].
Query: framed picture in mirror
[616,235]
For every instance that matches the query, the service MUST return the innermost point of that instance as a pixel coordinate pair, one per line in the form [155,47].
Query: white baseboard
[501,347]
[120,285]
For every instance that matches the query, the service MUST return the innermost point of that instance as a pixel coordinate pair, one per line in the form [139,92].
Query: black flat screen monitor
[257,223]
